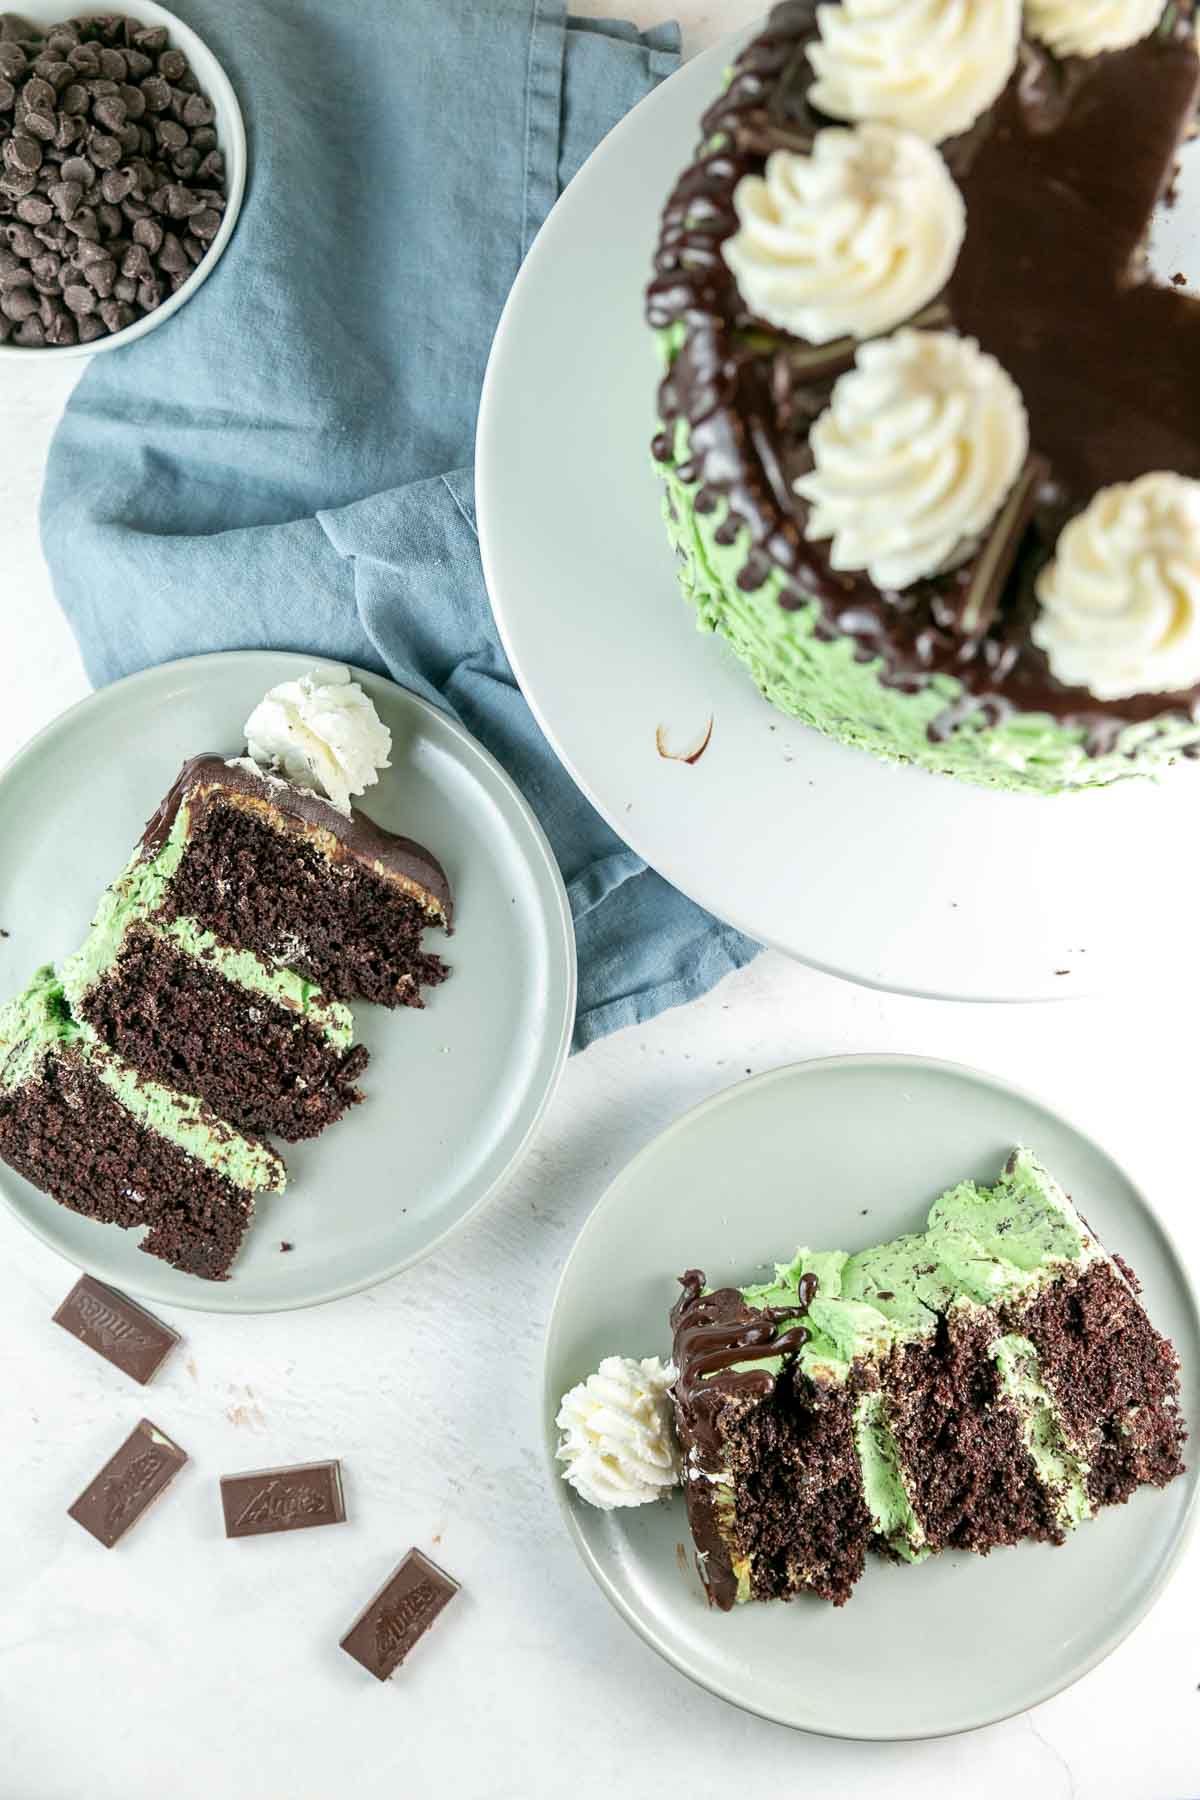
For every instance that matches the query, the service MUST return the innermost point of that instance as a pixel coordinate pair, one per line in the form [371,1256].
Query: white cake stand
[889,876]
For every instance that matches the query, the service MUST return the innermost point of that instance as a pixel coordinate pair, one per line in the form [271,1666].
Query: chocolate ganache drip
[714,1335]
[1060,177]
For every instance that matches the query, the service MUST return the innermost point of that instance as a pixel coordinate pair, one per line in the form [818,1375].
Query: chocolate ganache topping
[714,1336]
[1060,177]
[357,838]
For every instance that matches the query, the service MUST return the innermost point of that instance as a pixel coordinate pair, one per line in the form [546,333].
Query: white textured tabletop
[184,1665]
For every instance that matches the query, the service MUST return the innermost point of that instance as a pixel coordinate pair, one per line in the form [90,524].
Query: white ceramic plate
[842,1154]
[892,877]
[231,139]
[454,1093]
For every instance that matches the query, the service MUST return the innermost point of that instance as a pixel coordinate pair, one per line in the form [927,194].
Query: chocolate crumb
[285,1246]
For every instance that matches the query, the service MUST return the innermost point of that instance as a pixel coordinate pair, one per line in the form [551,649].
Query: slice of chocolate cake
[991,1379]
[259,1042]
[264,866]
[100,1137]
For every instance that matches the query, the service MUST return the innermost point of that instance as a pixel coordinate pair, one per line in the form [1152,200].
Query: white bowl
[231,140]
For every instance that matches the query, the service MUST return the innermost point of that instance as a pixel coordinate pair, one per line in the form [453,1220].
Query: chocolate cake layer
[271,869]
[1060,179]
[1115,1379]
[257,1064]
[971,1479]
[68,1134]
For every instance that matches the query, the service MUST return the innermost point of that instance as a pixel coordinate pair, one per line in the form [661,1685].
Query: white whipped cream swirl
[914,456]
[1121,597]
[618,1444]
[850,240]
[931,66]
[321,732]
[1086,27]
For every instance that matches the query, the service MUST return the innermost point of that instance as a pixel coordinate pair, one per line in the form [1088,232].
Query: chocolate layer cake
[991,1379]
[100,1137]
[929,431]
[273,869]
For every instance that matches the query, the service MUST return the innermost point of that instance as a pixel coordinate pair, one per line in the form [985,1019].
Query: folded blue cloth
[287,463]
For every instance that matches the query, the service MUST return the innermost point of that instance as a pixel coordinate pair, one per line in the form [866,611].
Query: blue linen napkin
[286,464]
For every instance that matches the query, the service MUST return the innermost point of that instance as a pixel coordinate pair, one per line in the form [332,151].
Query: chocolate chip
[22,153]
[54,234]
[116,183]
[149,295]
[114,65]
[133,208]
[80,298]
[55,71]
[8,94]
[101,276]
[21,239]
[110,219]
[182,202]
[172,256]
[193,248]
[157,93]
[62,328]
[169,135]
[197,110]
[205,223]
[110,112]
[38,95]
[89,328]
[62,40]
[185,162]
[78,168]
[116,314]
[204,140]
[71,129]
[66,196]
[84,224]
[12,279]
[46,266]
[13,61]
[85,58]
[136,262]
[172,65]
[152,39]
[31,334]
[41,125]
[34,210]
[18,303]
[103,150]
[124,287]
[138,64]
[135,101]
[149,233]
[212,167]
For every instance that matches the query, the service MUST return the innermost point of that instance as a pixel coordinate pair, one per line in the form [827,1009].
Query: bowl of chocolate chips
[122,165]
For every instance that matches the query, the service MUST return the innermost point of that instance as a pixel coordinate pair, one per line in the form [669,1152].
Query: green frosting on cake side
[37,1023]
[983,1248]
[134,899]
[823,683]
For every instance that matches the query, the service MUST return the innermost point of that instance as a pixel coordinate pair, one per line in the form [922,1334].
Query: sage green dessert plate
[893,877]
[851,1152]
[454,1093]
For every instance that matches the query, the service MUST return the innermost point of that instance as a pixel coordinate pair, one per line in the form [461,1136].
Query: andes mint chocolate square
[283,1499]
[116,1328]
[399,1615]
[146,1463]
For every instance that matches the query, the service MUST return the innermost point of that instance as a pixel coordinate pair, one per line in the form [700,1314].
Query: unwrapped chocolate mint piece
[399,1615]
[283,1499]
[115,1328]
[129,1482]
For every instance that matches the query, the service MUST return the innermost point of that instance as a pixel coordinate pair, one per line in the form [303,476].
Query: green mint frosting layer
[822,683]
[134,899]
[38,1023]
[1061,1467]
[32,1024]
[982,1247]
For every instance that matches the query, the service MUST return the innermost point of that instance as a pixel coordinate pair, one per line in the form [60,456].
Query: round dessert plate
[842,1154]
[453,1093]
[231,140]
[890,876]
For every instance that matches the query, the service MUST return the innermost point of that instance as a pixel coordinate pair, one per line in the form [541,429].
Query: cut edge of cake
[812,1410]
[105,1141]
